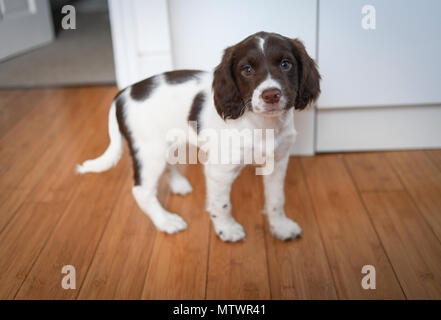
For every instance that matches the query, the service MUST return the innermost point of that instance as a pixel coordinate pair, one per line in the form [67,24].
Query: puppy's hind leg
[177,182]
[152,165]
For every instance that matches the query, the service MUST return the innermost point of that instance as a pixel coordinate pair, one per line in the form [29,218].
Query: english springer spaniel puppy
[257,85]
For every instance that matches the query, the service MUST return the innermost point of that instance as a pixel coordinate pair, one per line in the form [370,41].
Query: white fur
[178,183]
[113,153]
[167,108]
[261,44]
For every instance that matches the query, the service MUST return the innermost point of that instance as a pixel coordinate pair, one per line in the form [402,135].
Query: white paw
[230,232]
[285,229]
[170,223]
[180,185]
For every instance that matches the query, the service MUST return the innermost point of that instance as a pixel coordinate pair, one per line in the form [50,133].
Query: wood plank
[178,263]
[435,156]
[35,125]
[14,106]
[372,172]
[76,236]
[121,262]
[413,249]
[410,244]
[26,137]
[422,180]
[52,217]
[25,236]
[6,96]
[77,233]
[299,269]
[21,176]
[239,270]
[349,238]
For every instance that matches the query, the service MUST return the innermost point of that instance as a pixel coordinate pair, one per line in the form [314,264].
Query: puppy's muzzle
[271,97]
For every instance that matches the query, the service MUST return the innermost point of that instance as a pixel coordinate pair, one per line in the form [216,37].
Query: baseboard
[378,128]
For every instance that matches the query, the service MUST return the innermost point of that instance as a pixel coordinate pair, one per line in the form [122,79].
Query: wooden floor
[380,209]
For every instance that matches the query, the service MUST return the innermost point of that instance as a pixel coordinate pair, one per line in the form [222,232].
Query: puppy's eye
[247,71]
[285,65]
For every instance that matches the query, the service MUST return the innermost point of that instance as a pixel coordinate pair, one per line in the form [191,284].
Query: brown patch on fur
[195,109]
[120,116]
[309,76]
[140,91]
[181,76]
[227,98]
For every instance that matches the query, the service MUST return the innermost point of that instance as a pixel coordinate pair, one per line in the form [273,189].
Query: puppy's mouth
[270,109]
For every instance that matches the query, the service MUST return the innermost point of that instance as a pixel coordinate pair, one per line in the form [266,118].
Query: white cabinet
[381,87]
[397,63]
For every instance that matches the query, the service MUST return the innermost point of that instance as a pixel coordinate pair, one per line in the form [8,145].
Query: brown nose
[271,95]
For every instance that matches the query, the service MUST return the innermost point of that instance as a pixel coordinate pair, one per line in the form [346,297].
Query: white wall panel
[201,30]
[395,64]
[152,31]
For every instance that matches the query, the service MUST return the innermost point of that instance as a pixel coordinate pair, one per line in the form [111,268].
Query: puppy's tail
[113,153]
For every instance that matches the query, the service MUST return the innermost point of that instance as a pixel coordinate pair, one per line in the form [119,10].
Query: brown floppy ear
[227,98]
[309,77]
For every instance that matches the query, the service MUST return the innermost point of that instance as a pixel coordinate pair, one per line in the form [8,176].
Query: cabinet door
[397,63]
[381,86]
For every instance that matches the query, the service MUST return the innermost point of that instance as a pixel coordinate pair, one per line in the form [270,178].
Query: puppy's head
[267,74]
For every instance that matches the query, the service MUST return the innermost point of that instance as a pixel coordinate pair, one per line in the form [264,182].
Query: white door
[24,24]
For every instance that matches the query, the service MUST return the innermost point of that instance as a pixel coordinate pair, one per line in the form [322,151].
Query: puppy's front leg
[219,179]
[281,227]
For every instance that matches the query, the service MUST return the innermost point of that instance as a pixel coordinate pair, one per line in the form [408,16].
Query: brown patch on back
[181,76]
[140,91]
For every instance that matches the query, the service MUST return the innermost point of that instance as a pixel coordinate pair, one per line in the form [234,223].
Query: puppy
[257,85]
